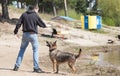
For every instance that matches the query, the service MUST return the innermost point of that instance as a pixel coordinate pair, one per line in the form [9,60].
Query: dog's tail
[78,53]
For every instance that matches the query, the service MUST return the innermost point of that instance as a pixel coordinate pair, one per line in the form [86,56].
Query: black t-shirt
[29,21]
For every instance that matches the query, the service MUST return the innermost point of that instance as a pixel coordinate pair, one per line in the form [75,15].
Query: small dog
[54,32]
[58,57]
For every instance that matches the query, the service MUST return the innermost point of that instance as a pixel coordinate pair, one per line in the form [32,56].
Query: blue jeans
[33,39]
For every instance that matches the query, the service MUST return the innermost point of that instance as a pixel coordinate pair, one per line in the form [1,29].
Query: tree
[5,14]
[92,7]
[81,6]
[65,8]
[110,11]
[36,2]
[54,8]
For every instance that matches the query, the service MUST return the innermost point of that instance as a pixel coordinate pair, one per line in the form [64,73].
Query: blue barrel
[99,22]
[91,22]
[86,22]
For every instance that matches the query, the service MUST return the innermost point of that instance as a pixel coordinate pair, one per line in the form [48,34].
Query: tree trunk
[5,14]
[18,4]
[54,9]
[65,5]
[36,2]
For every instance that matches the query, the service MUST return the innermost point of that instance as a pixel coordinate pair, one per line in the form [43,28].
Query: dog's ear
[55,42]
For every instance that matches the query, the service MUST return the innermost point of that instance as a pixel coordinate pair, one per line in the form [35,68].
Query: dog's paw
[54,72]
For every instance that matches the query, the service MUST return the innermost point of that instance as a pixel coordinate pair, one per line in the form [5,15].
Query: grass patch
[98,31]
[109,21]
[71,13]
[13,9]
[45,16]
[17,12]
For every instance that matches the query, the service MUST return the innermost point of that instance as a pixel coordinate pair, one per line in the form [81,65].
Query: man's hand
[16,36]
[48,25]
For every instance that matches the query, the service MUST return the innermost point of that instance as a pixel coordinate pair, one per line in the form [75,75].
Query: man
[29,21]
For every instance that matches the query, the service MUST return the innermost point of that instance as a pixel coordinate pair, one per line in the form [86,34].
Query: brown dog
[58,57]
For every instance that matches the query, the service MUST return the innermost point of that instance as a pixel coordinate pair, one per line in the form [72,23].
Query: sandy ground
[9,46]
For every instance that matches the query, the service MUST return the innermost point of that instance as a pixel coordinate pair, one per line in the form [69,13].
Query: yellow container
[92,21]
[95,58]
[82,21]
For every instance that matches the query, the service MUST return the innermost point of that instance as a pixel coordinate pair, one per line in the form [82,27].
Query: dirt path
[9,46]
[9,49]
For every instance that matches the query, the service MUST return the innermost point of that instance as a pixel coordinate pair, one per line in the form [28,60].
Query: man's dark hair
[31,7]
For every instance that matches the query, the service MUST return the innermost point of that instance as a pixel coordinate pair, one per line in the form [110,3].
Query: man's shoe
[15,68]
[38,70]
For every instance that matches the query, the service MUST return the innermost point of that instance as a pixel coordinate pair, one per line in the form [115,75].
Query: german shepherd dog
[58,57]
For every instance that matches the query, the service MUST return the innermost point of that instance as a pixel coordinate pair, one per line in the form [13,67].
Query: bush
[110,12]
[108,21]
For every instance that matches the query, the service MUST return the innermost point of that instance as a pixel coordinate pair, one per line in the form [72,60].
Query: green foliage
[71,13]
[108,21]
[71,3]
[61,12]
[81,6]
[110,11]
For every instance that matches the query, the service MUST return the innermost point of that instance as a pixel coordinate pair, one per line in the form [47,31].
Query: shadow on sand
[9,69]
